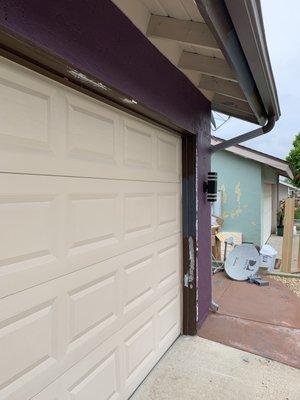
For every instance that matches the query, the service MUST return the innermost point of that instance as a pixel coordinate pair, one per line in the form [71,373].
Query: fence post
[298,266]
[287,243]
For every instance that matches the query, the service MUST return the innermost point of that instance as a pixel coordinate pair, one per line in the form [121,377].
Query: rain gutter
[245,136]
[233,27]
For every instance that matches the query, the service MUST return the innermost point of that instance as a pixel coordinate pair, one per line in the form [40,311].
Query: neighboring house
[248,183]
[286,190]
[105,111]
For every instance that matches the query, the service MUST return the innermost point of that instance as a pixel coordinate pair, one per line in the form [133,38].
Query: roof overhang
[225,58]
[248,22]
[281,166]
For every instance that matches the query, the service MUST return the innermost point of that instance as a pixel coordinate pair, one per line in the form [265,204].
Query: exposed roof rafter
[233,112]
[206,65]
[196,33]
[222,86]
[231,102]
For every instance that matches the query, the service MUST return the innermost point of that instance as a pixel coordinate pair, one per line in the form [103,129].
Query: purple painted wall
[204,222]
[94,36]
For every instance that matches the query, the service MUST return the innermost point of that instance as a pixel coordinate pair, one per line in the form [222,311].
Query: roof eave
[217,17]
[248,23]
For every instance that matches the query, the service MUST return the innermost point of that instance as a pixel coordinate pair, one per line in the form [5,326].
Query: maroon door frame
[189,291]
[196,231]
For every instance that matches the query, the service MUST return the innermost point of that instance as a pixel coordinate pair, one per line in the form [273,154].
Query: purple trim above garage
[97,38]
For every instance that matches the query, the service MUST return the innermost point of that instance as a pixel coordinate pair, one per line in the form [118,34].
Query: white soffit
[178,30]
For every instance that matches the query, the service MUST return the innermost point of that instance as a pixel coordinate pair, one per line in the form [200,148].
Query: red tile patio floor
[261,320]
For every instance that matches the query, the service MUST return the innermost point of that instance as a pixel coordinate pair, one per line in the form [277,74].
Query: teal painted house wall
[240,181]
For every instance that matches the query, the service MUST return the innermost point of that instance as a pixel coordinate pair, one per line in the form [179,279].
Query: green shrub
[297,213]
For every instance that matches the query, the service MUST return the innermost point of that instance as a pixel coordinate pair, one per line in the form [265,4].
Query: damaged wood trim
[189,234]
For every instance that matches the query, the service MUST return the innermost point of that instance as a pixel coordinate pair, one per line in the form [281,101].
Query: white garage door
[267,212]
[90,243]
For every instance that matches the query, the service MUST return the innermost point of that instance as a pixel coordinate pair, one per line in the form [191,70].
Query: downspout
[246,136]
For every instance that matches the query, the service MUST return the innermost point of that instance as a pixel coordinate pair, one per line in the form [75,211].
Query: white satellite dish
[242,262]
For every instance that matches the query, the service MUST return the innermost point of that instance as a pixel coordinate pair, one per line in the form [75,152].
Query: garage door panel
[55,314]
[122,287]
[102,292]
[139,281]
[139,214]
[28,338]
[90,260]
[56,225]
[169,262]
[101,379]
[119,364]
[168,320]
[130,220]
[168,154]
[93,220]
[137,363]
[139,349]
[93,132]
[30,134]
[29,105]
[31,234]
[139,145]
[62,132]
[27,229]
[168,209]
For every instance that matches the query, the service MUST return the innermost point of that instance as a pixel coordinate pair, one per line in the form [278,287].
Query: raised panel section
[24,115]
[139,281]
[168,320]
[91,131]
[93,220]
[93,306]
[59,131]
[139,350]
[99,382]
[138,213]
[167,208]
[168,263]
[138,149]
[168,154]
[26,345]
[27,230]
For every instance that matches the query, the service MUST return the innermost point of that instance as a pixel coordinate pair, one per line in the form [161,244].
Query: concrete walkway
[196,369]
[262,320]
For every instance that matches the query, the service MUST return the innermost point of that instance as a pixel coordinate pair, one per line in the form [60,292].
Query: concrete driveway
[195,369]
[261,320]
